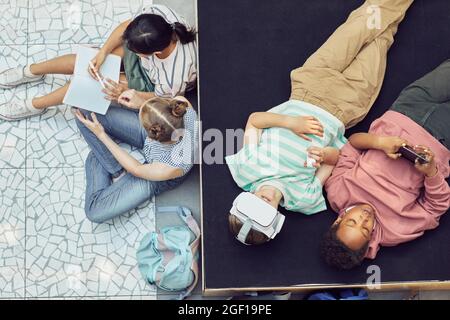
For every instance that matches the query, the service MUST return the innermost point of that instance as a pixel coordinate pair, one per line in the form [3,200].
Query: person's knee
[94,215]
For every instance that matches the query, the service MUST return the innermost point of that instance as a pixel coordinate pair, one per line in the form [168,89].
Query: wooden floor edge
[425,286]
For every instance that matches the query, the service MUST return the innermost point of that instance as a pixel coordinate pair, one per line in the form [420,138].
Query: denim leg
[119,123]
[105,201]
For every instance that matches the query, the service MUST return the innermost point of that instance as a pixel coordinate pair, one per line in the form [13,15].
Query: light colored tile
[12,233]
[75,21]
[124,10]
[68,256]
[13,22]
[184,8]
[53,139]
[147,297]
[12,134]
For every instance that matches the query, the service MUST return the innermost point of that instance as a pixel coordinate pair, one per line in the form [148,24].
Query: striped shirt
[281,160]
[177,73]
[183,154]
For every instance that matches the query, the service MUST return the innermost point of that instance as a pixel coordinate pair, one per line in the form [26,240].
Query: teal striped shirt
[281,160]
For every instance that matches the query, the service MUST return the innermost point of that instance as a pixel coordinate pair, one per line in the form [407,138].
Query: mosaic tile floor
[48,249]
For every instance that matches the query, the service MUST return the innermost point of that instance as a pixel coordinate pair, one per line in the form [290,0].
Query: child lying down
[334,90]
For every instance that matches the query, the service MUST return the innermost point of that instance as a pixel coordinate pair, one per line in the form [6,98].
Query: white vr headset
[256,214]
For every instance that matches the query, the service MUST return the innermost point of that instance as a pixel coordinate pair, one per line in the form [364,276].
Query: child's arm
[153,172]
[389,145]
[263,120]
[327,156]
[259,121]
[323,173]
[114,41]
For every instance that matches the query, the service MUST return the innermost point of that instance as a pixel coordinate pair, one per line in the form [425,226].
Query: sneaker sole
[23,117]
[4,86]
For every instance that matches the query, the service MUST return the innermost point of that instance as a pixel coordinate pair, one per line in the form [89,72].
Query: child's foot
[18,110]
[15,76]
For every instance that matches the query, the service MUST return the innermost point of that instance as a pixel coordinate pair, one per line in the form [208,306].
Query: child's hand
[328,155]
[302,126]
[131,99]
[95,126]
[113,90]
[391,145]
[317,154]
[429,169]
[97,62]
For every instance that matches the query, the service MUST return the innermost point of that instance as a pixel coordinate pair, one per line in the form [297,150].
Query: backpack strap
[186,215]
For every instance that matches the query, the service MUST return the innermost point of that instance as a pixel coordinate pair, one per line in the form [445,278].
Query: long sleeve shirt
[406,202]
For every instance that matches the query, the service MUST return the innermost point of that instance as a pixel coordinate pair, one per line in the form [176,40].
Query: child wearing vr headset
[285,146]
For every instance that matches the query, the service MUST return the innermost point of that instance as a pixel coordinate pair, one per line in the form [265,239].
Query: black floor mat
[247,50]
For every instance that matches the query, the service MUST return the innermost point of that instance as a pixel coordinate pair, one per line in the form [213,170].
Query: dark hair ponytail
[150,33]
[155,132]
[185,35]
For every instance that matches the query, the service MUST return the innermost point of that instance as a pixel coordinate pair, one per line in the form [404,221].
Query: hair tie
[173,26]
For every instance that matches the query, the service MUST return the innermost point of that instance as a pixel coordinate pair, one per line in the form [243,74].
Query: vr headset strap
[245,230]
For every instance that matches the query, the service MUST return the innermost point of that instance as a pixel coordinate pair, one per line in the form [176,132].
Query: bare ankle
[35,104]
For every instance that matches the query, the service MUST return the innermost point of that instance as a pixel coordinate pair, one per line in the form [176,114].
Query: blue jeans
[104,199]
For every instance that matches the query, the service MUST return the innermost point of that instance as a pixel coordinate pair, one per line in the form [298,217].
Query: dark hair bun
[179,108]
[155,132]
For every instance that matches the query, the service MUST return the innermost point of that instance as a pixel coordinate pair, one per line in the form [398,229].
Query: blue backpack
[168,258]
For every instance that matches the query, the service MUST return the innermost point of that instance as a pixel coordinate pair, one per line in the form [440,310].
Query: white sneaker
[15,76]
[18,110]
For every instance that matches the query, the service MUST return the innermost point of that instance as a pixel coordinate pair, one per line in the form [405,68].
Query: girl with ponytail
[159,55]
[165,129]
[166,47]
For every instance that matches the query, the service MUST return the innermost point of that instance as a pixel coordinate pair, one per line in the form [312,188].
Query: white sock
[29,105]
[27,72]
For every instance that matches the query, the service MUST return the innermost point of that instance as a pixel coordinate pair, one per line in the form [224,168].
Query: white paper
[84,91]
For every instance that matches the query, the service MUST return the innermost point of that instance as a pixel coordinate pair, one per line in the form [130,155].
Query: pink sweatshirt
[406,202]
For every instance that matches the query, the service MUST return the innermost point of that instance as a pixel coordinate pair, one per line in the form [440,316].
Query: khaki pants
[344,77]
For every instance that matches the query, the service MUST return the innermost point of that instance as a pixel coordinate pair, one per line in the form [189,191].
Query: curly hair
[337,254]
